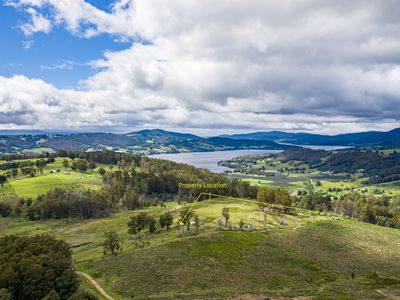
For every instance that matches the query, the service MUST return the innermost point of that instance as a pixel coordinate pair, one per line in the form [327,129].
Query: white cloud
[38,23]
[27,44]
[295,65]
[62,65]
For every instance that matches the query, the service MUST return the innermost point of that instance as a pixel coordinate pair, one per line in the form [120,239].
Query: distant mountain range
[140,142]
[155,141]
[349,139]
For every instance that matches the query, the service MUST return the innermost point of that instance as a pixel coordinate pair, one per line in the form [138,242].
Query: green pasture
[31,187]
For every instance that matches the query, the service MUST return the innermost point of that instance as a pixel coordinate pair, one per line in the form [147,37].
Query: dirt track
[95,285]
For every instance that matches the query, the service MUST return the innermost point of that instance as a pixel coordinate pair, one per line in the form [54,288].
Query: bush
[387,222]
[5,209]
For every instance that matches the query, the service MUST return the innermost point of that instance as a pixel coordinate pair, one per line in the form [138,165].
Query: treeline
[382,210]
[307,156]
[101,157]
[61,203]
[16,156]
[307,200]
[25,167]
[40,163]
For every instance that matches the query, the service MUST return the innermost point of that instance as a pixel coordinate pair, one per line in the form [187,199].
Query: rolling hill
[155,141]
[301,138]
[139,142]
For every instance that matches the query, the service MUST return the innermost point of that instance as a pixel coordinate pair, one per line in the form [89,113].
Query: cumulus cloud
[38,23]
[322,66]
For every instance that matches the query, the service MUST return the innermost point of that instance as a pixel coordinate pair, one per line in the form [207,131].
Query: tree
[14,172]
[112,242]
[166,220]
[196,223]
[282,197]
[92,165]
[266,194]
[185,217]
[225,214]
[80,165]
[3,180]
[137,223]
[394,207]
[131,198]
[65,163]
[5,209]
[42,265]
[241,224]
[40,163]
[102,171]
[40,169]
[152,224]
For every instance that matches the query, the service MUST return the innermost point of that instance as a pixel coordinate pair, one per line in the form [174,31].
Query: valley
[331,172]
[296,244]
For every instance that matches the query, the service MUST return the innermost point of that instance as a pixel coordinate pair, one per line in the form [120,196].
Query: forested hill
[140,142]
[155,141]
[351,139]
[379,166]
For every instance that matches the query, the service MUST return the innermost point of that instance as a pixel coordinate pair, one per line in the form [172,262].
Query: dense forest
[37,267]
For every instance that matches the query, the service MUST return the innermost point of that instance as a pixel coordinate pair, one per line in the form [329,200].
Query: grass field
[302,255]
[32,187]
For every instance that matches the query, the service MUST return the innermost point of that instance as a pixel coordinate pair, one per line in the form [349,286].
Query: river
[209,160]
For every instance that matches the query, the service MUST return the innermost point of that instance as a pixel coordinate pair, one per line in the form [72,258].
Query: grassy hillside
[31,187]
[303,255]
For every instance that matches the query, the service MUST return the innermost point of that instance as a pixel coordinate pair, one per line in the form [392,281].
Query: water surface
[209,160]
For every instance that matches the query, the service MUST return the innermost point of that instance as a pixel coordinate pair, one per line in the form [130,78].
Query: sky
[207,67]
